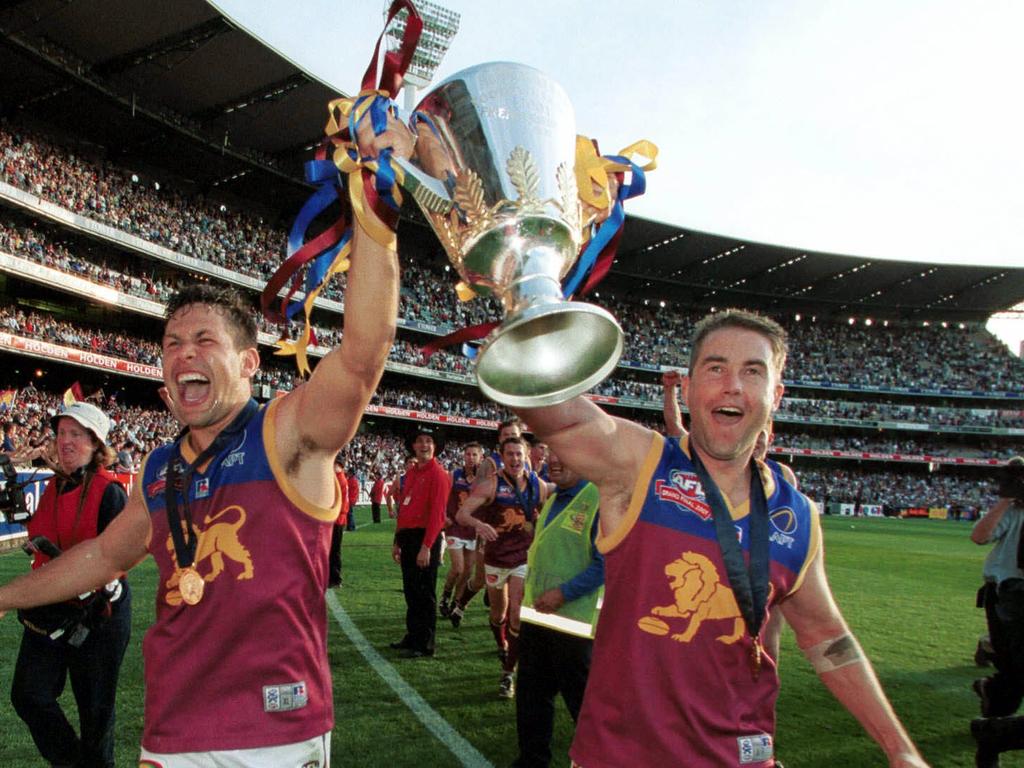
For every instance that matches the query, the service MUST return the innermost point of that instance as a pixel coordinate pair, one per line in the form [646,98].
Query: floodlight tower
[439,27]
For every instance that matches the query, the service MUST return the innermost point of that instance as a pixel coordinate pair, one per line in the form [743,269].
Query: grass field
[906,587]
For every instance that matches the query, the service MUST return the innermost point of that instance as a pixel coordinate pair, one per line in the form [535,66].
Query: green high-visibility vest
[562,549]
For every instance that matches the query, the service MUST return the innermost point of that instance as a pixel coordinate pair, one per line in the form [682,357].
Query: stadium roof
[181,85]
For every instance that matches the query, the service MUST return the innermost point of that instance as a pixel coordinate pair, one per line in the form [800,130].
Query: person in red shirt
[353,498]
[79,502]
[338,532]
[417,545]
[376,493]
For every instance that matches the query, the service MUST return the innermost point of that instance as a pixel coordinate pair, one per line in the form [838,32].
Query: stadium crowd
[898,490]
[876,356]
[843,353]
[134,430]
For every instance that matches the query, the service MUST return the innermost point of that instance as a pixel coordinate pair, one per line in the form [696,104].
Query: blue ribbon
[607,229]
[324,174]
[385,179]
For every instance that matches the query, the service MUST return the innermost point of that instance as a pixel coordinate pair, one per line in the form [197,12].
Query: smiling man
[237,515]
[701,542]
[502,510]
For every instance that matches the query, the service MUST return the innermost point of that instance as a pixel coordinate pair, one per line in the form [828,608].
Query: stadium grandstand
[166,146]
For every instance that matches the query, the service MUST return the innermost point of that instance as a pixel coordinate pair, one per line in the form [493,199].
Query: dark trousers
[43,668]
[420,588]
[351,524]
[550,663]
[334,560]
[1004,609]
[375,511]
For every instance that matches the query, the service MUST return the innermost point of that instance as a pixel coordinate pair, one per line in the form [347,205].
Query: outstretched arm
[826,640]
[595,445]
[318,418]
[322,415]
[87,565]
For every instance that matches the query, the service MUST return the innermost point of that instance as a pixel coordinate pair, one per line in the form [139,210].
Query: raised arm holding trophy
[495,172]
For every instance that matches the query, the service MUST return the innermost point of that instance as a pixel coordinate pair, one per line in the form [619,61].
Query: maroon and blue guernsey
[687,694]
[247,666]
[512,515]
[461,488]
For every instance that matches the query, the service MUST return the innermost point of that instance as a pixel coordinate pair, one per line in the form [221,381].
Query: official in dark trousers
[417,546]
[338,531]
[80,501]
[561,601]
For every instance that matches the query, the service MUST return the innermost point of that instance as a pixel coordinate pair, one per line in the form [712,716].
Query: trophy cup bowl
[494,177]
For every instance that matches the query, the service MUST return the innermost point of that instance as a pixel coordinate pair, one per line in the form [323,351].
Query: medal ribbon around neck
[525,502]
[185,541]
[750,587]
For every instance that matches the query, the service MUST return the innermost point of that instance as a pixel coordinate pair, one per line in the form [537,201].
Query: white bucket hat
[89,416]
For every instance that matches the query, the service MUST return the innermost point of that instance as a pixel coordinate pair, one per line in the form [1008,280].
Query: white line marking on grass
[465,753]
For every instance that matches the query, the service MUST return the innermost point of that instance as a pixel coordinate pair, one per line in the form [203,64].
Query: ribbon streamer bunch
[373,197]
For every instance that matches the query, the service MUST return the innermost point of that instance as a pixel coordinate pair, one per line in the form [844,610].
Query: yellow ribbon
[592,170]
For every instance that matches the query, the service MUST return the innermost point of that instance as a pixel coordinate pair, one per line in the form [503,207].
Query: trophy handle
[424,188]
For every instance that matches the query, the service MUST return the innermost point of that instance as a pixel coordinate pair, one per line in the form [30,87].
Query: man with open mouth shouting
[238,515]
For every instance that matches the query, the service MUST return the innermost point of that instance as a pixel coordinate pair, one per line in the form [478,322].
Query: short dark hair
[750,321]
[515,421]
[228,302]
[516,440]
[473,444]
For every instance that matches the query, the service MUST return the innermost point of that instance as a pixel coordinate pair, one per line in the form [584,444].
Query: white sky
[883,129]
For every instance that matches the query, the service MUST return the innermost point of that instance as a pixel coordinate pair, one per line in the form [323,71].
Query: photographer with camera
[82,639]
[1003,599]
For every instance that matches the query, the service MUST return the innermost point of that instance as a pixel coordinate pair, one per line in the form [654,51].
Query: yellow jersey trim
[323,514]
[814,547]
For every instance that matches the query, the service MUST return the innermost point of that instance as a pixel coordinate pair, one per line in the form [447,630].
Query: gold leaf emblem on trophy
[469,195]
[525,177]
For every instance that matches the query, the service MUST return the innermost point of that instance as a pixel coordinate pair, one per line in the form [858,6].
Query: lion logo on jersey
[218,543]
[700,596]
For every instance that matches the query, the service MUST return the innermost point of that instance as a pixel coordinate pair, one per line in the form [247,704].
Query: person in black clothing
[84,640]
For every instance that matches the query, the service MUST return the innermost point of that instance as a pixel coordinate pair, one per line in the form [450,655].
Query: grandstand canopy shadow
[180,86]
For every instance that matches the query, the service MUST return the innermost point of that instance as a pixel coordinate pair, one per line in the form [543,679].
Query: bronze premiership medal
[755,658]
[191,585]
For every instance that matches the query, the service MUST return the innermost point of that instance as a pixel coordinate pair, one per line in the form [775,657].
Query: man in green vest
[561,600]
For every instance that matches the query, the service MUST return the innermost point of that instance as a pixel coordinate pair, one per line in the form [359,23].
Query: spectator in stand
[12,444]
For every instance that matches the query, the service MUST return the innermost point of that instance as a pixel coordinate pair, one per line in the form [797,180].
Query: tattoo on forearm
[834,653]
[842,651]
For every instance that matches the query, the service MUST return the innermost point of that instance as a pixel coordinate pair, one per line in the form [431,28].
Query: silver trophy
[494,176]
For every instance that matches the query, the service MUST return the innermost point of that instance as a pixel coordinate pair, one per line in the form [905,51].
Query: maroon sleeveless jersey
[247,666]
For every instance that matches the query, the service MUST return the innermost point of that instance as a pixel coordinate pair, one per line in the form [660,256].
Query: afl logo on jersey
[685,491]
[784,522]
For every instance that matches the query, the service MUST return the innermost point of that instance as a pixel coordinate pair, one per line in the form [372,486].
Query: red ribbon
[395,62]
[461,336]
